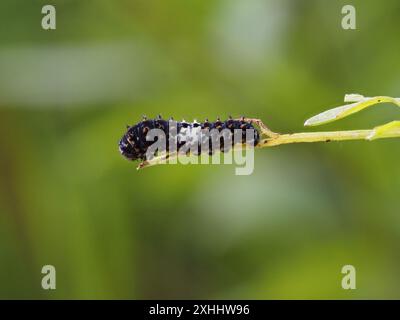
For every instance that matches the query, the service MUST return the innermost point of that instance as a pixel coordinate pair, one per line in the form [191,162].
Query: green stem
[322,137]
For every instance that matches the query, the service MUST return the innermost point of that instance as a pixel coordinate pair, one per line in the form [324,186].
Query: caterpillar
[188,137]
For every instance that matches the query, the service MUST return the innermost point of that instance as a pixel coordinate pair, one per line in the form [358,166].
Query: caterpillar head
[127,145]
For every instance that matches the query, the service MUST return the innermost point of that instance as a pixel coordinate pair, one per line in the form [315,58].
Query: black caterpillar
[133,144]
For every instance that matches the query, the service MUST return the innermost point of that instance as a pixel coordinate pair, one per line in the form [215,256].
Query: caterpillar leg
[264,129]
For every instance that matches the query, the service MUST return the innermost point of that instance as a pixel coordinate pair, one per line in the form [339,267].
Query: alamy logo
[49,280]
[49,20]
[349,280]
[349,20]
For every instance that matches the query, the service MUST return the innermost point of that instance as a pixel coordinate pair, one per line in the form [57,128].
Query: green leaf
[391,129]
[348,109]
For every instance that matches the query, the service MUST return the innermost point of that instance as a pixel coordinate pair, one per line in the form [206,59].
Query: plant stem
[321,137]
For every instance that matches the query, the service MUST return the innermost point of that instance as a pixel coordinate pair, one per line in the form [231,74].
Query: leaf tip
[353,97]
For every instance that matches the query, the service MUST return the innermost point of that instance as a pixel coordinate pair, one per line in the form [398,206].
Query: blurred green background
[68,198]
